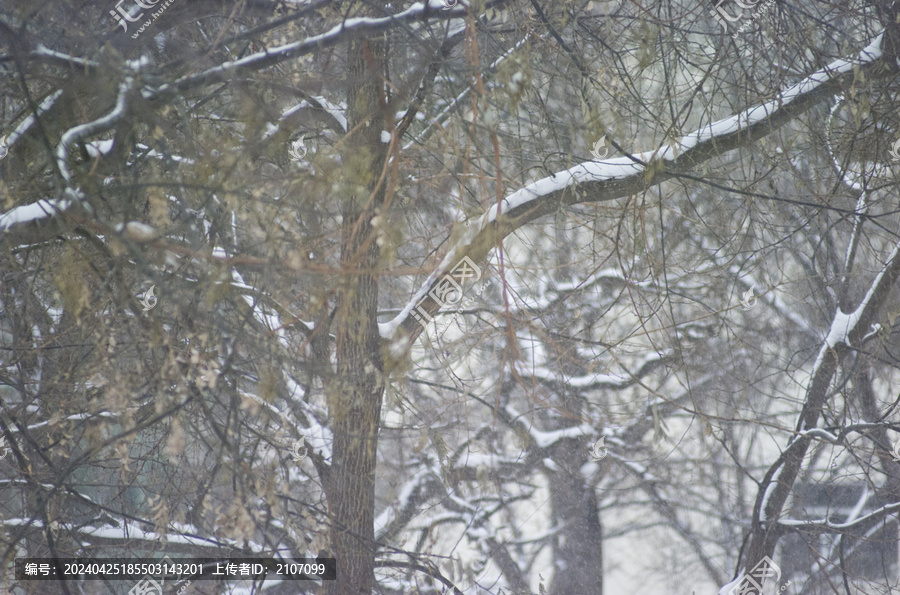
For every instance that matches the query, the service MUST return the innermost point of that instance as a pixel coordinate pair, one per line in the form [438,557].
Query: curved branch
[84,130]
[602,181]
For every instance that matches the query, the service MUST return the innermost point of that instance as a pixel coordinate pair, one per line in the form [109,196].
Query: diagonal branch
[602,181]
[847,329]
[352,28]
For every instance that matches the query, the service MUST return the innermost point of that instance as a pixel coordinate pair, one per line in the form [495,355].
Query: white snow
[268,318]
[841,327]
[139,232]
[22,128]
[81,416]
[388,514]
[844,324]
[546,439]
[726,590]
[42,209]
[176,158]
[270,130]
[854,519]
[131,530]
[138,64]
[597,379]
[336,111]
[385,136]
[475,459]
[83,130]
[639,470]
[820,433]
[296,108]
[770,489]
[15,522]
[760,112]
[351,26]
[99,147]
[43,50]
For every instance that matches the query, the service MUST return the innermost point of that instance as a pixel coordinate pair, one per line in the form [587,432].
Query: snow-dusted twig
[602,381]
[826,526]
[44,53]
[439,119]
[33,213]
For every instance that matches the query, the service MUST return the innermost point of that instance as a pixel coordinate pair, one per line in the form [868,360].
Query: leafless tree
[477,297]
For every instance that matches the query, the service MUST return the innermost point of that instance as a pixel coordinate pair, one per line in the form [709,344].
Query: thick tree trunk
[582,538]
[355,399]
[579,545]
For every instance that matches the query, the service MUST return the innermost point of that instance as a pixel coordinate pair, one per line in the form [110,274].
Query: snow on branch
[349,28]
[33,213]
[337,113]
[337,117]
[128,533]
[187,541]
[824,525]
[44,53]
[407,505]
[596,381]
[822,434]
[609,179]
[28,122]
[845,325]
[547,439]
[83,130]
[846,330]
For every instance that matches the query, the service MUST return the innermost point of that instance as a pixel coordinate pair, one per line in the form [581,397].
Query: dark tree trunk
[355,399]
[580,542]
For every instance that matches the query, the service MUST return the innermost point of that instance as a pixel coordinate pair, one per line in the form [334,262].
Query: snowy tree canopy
[473,297]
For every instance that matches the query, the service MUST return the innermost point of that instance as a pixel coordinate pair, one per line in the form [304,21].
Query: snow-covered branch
[83,130]
[33,213]
[393,519]
[350,28]
[826,526]
[600,181]
[598,381]
[846,331]
[44,53]
[28,122]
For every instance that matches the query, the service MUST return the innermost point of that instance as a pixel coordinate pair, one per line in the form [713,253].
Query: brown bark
[355,399]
